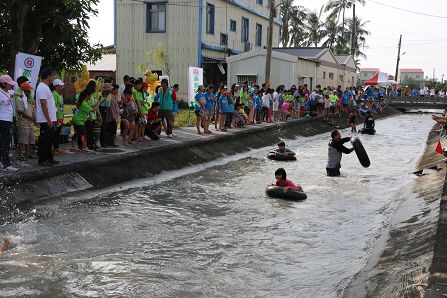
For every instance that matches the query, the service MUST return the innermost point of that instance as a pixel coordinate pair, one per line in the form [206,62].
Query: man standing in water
[335,152]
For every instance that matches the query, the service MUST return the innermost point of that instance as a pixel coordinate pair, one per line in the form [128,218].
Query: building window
[340,78]
[223,39]
[418,76]
[233,25]
[259,2]
[210,18]
[250,78]
[406,76]
[244,30]
[258,35]
[324,75]
[331,75]
[156,17]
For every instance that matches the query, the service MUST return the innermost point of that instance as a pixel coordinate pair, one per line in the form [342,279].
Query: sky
[423,40]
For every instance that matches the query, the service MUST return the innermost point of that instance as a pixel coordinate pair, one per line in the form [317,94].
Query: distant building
[411,73]
[366,74]
[330,70]
[294,66]
[191,33]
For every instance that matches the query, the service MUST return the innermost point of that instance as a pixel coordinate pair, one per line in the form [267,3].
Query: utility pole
[434,71]
[268,61]
[398,57]
[353,37]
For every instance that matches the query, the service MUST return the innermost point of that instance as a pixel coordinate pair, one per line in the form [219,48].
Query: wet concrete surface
[400,261]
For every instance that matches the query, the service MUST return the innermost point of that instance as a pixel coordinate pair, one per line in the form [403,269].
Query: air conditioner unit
[247,46]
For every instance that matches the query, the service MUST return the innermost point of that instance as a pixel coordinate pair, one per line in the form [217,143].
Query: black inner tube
[361,152]
[278,192]
[281,157]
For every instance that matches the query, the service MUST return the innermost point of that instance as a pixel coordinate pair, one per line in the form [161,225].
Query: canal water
[212,232]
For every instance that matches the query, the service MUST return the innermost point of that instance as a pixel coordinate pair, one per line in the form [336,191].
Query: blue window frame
[156,17]
[259,2]
[210,10]
[258,41]
[245,30]
[233,25]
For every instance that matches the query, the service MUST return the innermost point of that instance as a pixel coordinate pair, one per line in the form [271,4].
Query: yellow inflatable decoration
[82,80]
[152,80]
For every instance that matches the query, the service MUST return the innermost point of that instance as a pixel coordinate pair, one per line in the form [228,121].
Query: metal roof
[303,52]
[369,69]
[342,59]
[106,63]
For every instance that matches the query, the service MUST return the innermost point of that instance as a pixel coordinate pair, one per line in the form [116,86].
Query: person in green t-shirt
[84,109]
[333,98]
[58,86]
[137,94]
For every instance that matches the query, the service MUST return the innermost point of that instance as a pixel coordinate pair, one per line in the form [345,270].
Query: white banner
[195,79]
[29,66]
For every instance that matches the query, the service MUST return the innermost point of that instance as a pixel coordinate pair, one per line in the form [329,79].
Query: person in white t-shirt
[432,92]
[6,116]
[46,118]
[276,104]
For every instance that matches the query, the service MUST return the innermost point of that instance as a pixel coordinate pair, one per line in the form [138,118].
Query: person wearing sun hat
[25,122]
[58,86]
[6,118]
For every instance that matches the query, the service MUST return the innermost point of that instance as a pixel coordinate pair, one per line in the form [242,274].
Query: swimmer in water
[282,181]
[5,244]
[283,150]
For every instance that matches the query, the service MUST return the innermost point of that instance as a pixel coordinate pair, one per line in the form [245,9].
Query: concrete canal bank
[109,167]
[409,257]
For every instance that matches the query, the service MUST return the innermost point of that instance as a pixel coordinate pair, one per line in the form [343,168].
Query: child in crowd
[327,106]
[223,109]
[238,120]
[265,106]
[251,109]
[129,115]
[287,110]
[199,109]
[84,109]
[282,181]
[302,100]
[153,125]
[258,106]
[352,120]
[210,99]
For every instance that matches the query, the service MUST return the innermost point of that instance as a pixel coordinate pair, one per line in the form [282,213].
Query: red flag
[439,147]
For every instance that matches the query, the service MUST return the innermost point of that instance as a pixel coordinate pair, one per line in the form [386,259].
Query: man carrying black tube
[335,153]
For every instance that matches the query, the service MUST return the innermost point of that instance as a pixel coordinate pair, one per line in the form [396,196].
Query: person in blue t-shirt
[282,149]
[199,109]
[347,97]
[257,103]
[223,108]
[210,98]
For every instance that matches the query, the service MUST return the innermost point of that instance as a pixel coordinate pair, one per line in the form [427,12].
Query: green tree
[294,27]
[314,28]
[411,82]
[337,7]
[54,29]
[360,36]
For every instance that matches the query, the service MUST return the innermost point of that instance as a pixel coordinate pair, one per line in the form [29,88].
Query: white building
[189,33]
[294,66]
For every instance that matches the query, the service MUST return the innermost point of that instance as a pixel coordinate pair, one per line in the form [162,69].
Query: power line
[409,11]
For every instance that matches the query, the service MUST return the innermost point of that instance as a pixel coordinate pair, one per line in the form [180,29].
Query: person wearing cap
[25,122]
[105,97]
[46,118]
[58,88]
[6,118]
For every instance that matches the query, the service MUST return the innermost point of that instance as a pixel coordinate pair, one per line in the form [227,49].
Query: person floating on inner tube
[335,152]
[369,124]
[282,150]
[281,181]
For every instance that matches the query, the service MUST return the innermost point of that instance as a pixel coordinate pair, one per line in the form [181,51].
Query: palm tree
[337,7]
[360,36]
[293,18]
[314,28]
[332,32]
